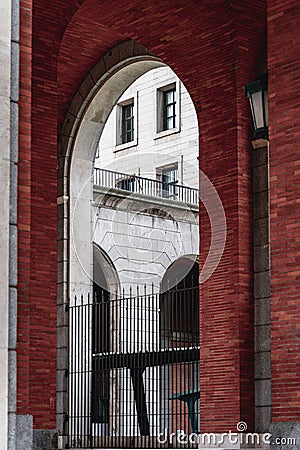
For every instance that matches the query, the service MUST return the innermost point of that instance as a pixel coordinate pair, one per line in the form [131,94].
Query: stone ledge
[134,202]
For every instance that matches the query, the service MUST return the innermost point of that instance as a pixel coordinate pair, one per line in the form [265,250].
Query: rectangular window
[169,180]
[127,123]
[169,109]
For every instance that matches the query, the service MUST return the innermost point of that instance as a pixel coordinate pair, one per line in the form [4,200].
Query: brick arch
[208,34]
[214,51]
[174,33]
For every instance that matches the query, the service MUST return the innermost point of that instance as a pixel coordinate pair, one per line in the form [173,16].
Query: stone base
[23,432]
[44,440]
[29,439]
[285,435]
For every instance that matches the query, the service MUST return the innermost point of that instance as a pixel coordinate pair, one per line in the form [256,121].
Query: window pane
[128,111]
[169,113]
[169,97]
[127,124]
[169,123]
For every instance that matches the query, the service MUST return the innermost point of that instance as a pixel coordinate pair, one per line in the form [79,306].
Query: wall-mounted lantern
[257,93]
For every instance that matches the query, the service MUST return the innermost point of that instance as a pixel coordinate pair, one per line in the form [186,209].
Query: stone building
[159,164]
[64,67]
[145,242]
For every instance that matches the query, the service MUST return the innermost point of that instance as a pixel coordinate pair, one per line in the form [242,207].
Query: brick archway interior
[214,54]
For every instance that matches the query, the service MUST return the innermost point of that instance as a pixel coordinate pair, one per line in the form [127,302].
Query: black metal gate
[134,368]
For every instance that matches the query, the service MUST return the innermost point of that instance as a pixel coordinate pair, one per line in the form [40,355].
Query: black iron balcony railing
[146,186]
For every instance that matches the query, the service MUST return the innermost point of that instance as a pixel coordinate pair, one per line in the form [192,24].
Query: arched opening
[179,330]
[118,390]
[183,273]
[146,188]
[88,133]
[214,38]
[104,272]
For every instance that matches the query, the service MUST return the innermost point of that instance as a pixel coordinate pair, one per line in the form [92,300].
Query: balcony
[146,186]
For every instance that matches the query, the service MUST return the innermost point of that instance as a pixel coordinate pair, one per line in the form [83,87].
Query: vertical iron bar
[84,373]
[89,370]
[76,376]
[81,371]
[70,379]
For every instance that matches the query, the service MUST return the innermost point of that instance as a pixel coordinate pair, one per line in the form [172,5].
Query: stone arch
[178,270]
[104,271]
[81,131]
[120,57]
[87,129]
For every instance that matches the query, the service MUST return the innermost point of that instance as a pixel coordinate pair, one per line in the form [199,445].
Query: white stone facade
[144,235]
[141,244]
[139,234]
[5,84]
[152,149]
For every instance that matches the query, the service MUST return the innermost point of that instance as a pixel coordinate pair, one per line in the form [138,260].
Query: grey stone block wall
[23,432]
[285,435]
[44,440]
[15,423]
[261,267]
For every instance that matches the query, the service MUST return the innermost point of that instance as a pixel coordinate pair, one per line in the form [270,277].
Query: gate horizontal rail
[146,359]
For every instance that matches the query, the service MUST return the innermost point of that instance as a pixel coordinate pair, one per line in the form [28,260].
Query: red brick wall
[36,347]
[24,209]
[284,111]
[214,50]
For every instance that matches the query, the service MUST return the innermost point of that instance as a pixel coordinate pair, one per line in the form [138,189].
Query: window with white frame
[168,109]
[126,123]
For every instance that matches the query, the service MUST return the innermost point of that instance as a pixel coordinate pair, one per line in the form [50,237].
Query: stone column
[261,269]
[5,85]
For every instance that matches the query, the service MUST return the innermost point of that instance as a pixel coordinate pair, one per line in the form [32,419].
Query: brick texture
[215,49]
[284,113]
[24,209]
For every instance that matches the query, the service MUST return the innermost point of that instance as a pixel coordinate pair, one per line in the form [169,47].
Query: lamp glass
[257,110]
[257,93]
